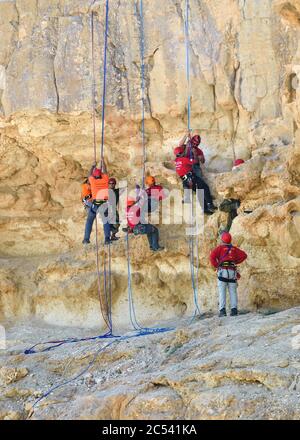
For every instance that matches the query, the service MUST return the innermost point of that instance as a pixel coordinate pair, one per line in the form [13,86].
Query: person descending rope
[99,187]
[154,192]
[184,169]
[225,258]
[136,224]
[195,154]
[86,194]
[193,151]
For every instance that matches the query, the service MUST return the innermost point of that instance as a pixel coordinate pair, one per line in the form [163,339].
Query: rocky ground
[232,368]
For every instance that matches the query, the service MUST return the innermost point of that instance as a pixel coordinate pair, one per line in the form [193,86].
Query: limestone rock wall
[244,68]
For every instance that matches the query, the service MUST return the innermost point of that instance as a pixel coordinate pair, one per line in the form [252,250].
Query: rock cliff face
[245,101]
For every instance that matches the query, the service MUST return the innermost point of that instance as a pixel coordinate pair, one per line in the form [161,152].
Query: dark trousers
[198,183]
[152,234]
[91,218]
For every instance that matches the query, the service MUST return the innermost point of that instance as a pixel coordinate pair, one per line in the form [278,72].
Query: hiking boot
[114,238]
[234,312]
[86,242]
[222,313]
[107,241]
[211,207]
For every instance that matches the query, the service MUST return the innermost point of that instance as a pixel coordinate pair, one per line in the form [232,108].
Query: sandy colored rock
[245,104]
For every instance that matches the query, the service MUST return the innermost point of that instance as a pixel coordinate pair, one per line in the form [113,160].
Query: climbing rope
[104,79]
[194,278]
[93,88]
[141,330]
[187,53]
[104,311]
[140,15]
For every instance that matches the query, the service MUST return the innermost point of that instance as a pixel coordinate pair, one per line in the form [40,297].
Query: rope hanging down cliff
[106,312]
[192,213]
[142,330]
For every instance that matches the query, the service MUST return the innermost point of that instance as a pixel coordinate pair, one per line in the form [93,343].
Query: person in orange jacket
[225,259]
[154,192]
[86,194]
[98,181]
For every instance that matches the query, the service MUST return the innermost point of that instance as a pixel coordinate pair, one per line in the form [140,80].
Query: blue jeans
[91,218]
[152,234]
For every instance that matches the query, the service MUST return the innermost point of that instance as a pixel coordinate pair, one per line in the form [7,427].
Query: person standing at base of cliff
[225,259]
[98,180]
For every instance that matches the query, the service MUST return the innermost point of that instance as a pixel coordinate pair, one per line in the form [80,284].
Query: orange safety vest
[99,187]
[86,192]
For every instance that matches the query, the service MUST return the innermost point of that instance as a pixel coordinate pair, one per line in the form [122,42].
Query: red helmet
[226,237]
[112,180]
[178,150]
[96,172]
[195,141]
[130,201]
[238,162]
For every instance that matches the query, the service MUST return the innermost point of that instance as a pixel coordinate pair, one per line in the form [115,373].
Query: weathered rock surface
[231,368]
[245,103]
[244,66]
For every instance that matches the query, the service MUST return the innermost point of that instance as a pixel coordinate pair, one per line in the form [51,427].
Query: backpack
[229,205]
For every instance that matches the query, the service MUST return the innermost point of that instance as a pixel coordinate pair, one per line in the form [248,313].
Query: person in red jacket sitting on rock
[154,192]
[137,226]
[225,259]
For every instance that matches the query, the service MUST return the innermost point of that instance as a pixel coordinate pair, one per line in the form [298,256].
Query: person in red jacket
[184,169]
[225,259]
[138,227]
[154,192]
[192,150]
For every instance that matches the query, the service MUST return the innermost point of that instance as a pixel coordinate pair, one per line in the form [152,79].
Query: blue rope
[188,79]
[51,390]
[187,45]
[110,289]
[56,344]
[85,370]
[104,79]
[140,15]
[142,330]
